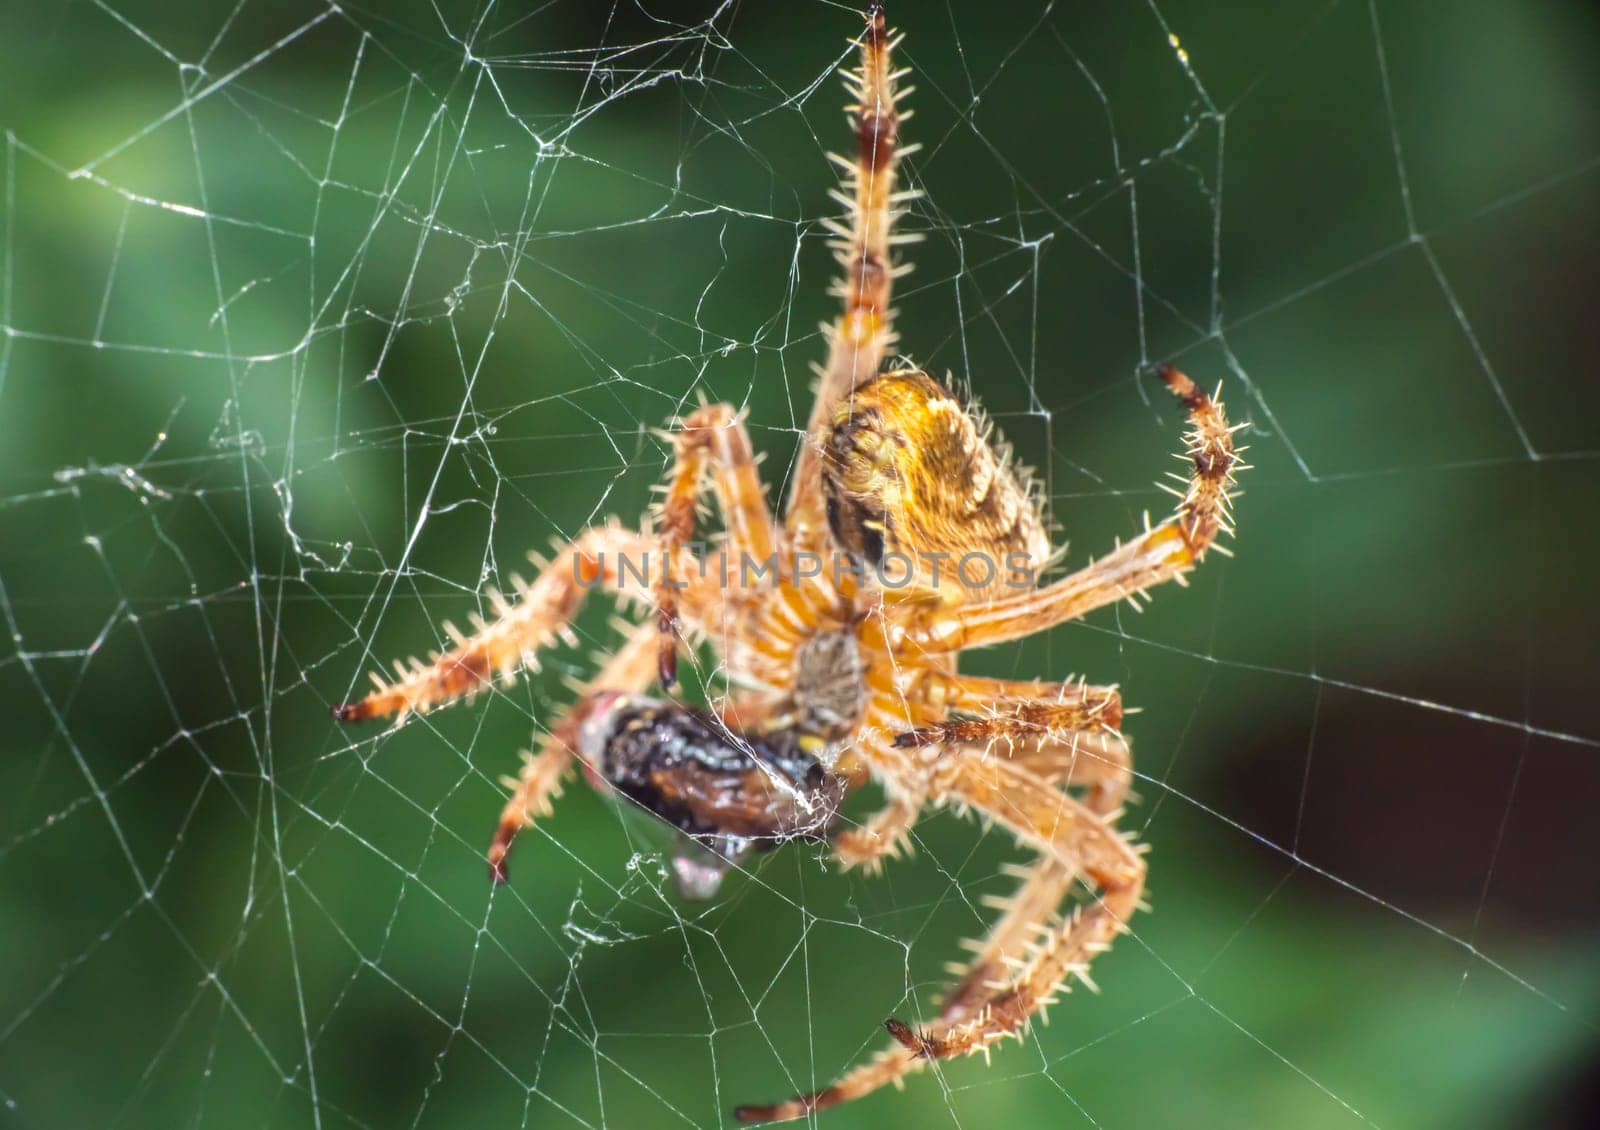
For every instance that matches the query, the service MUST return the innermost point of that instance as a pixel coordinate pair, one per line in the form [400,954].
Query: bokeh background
[317,319]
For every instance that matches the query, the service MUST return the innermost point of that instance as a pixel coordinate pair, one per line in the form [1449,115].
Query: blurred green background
[318,319]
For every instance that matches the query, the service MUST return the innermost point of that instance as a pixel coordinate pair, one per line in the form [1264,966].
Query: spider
[849,673]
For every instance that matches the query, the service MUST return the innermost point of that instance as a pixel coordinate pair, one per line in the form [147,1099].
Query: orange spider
[908,538]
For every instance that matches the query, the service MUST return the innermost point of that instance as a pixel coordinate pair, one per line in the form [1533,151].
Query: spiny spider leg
[1063,733]
[1070,836]
[1097,761]
[1044,885]
[975,694]
[607,557]
[886,834]
[711,434]
[534,790]
[1162,554]
[514,637]
[1034,902]
[859,339]
[992,1001]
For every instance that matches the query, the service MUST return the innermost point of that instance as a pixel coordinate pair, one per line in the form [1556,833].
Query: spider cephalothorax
[830,688]
[920,539]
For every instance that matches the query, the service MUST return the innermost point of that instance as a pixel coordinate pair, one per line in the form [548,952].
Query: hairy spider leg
[1164,553]
[610,557]
[886,834]
[1066,733]
[712,434]
[861,336]
[1068,835]
[992,1001]
[512,639]
[534,790]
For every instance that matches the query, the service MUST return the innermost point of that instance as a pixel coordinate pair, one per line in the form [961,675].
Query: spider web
[318,317]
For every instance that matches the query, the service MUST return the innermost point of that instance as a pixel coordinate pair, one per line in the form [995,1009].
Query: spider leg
[1162,554]
[884,835]
[1097,761]
[1070,838]
[975,694]
[1023,962]
[712,434]
[1062,733]
[1079,746]
[1044,726]
[861,336]
[1034,902]
[534,790]
[593,559]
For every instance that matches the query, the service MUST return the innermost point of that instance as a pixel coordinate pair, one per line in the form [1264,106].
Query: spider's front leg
[1164,553]
[712,434]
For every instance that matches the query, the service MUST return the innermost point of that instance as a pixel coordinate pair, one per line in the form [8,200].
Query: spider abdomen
[916,489]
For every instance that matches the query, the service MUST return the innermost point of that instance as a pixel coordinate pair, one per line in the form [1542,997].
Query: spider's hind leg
[1029,953]
[534,790]
[1072,839]
[884,835]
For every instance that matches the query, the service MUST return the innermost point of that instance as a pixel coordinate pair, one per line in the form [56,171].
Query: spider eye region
[916,490]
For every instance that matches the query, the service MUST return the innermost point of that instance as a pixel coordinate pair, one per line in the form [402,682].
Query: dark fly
[727,794]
